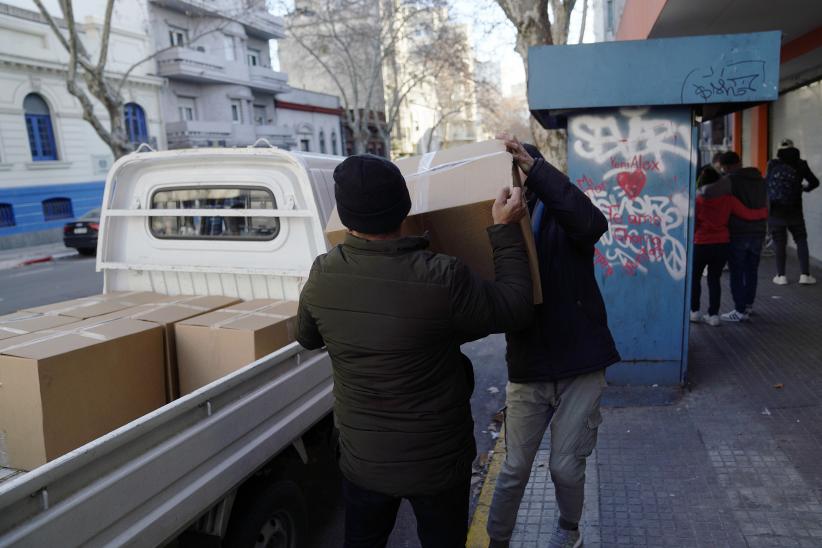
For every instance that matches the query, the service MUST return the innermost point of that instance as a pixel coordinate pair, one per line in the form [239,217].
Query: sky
[494,36]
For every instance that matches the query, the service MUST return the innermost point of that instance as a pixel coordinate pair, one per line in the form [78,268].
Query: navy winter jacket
[570,335]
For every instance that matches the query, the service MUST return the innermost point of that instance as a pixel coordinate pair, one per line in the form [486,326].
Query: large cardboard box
[98,305]
[23,323]
[166,314]
[215,344]
[62,388]
[452,191]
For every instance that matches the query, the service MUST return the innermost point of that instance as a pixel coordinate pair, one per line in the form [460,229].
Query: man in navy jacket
[556,367]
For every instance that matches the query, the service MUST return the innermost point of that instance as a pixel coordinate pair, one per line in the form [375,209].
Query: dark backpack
[784,184]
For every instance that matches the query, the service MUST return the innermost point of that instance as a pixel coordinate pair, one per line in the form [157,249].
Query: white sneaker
[696,316]
[780,280]
[807,279]
[734,316]
[713,321]
[749,311]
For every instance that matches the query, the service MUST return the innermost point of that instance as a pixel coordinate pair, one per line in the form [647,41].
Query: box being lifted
[215,344]
[97,305]
[166,314]
[452,191]
[62,388]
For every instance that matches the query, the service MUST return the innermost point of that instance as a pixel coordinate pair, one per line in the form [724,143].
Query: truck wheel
[274,518]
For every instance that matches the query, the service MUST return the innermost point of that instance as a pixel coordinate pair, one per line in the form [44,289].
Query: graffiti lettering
[646,228]
[636,162]
[731,79]
[600,139]
[586,183]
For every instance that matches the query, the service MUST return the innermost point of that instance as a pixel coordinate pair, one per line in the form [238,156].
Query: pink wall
[638,18]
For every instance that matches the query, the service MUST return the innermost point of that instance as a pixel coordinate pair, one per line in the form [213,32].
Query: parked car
[82,233]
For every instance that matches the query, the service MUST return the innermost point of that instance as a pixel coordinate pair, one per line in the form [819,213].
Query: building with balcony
[221,85]
[52,163]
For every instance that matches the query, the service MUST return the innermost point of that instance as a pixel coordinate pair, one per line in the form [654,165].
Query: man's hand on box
[509,207]
[521,156]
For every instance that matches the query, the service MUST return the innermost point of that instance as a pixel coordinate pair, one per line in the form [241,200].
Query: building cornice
[28,64]
[308,108]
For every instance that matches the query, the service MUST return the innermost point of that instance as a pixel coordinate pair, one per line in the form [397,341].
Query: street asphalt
[50,282]
[73,277]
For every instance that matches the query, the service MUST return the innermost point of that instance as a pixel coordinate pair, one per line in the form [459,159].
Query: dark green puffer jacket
[393,316]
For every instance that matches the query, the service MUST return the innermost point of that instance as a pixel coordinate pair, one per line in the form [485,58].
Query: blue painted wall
[636,166]
[28,208]
[695,70]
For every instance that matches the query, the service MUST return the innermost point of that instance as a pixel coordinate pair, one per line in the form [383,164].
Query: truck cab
[221,462]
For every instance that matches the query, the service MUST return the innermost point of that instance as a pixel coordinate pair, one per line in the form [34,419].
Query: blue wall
[636,166]
[28,208]
[693,70]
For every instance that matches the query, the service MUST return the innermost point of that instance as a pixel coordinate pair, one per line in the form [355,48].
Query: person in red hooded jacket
[711,237]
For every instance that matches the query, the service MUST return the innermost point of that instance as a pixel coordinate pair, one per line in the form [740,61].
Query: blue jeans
[743,260]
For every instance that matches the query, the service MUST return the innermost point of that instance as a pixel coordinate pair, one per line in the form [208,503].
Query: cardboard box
[98,305]
[166,314]
[452,191]
[213,345]
[62,388]
[23,323]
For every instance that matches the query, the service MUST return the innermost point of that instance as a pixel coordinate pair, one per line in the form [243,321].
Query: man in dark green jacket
[393,316]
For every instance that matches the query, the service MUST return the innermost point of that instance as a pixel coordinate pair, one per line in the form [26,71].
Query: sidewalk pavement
[22,256]
[732,462]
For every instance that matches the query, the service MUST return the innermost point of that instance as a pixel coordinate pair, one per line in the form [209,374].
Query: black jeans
[714,256]
[442,519]
[779,231]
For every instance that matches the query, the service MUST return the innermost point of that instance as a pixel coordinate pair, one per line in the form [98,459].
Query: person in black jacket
[747,237]
[786,174]
[556,367]
[393,315]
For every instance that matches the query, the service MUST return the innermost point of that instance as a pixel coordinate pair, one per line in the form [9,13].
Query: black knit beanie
[371,194]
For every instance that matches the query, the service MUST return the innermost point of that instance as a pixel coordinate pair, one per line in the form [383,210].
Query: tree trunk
[530,18]
[553,143]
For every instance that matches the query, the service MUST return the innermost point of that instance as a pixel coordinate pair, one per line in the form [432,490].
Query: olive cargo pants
[571,407]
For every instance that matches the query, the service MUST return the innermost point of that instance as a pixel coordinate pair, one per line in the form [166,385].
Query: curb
[46,259]
[17,263]
[477,535]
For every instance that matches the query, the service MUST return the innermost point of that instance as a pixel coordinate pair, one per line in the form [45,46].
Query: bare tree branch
[584,21]
[104,39]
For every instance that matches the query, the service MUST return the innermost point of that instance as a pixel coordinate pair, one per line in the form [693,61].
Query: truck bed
[148,480]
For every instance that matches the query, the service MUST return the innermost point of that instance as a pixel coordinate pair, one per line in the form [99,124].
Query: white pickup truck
[218,465]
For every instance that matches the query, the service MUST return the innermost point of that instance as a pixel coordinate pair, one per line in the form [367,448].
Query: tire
[273,517]
[87,251]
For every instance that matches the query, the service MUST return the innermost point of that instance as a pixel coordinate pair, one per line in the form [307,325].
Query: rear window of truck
[214,227]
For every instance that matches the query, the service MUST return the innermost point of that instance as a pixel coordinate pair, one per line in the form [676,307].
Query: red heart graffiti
[632,183]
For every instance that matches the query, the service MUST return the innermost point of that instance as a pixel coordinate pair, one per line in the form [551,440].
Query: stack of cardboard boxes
[71,372]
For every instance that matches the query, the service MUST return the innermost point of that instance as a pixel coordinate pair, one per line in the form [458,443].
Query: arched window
[57,208]
[322,141]
[334,143]
[38,126]
[136,127]
[7,215]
